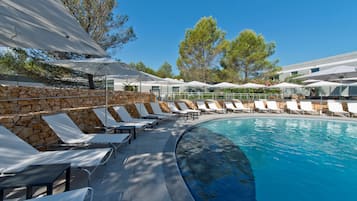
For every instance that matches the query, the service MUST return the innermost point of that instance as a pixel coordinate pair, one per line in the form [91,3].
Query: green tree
[103,25]
[165,70]
[200,50]
[248,55]
[142,67]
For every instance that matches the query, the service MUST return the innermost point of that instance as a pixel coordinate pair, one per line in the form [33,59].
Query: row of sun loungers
[16,155]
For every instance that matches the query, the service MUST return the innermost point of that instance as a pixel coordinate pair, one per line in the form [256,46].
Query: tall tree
[97,18]
[248,55]
[165,70]
[200,49]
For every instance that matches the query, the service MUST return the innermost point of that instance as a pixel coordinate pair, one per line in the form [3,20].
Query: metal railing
[217,96]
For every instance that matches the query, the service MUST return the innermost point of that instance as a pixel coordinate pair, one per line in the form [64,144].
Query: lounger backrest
[100,112]
[229,105]
[272,105]
[292,105]
[156,108]
[11,144]
[172,107]
[212,105]
[63,126]
[239,105]
[352,107]
[182,105]
[123,113]
[140,107]
[306,105]
[335,107]
[201,105]
[259,104]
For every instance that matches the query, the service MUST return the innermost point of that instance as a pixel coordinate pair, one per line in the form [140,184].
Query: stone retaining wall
[21,109]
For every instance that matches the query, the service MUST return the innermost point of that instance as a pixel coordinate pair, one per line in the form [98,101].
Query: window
[313,70]
[294,73]
[155,88]
[175,89]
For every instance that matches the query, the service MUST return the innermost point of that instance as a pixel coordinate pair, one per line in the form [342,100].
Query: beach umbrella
[338,72]
[252,86]
[45,25]
[196,84]
[225,85]
[104,67]
[285,85]
[310,81]
[321,84]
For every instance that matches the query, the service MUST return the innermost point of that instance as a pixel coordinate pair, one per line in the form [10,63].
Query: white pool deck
[146,169]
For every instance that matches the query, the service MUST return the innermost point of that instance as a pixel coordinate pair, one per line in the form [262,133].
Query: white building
[304,68]
[348,59]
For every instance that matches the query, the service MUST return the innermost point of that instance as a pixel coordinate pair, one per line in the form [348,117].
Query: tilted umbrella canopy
[285,85]
[252,85]
[225,85]
[337,72]
[103,66]
[196,84]
[45,25]
[323,84]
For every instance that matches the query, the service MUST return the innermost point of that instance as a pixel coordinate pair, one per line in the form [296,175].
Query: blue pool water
[270,159]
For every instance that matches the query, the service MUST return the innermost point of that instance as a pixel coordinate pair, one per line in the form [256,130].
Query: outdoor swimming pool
[270,159]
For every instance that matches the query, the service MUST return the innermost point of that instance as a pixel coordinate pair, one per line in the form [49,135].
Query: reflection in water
[214,168]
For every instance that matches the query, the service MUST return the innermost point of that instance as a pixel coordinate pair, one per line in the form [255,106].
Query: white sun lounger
[352,109]
[69,133]
[140,107]
[335,108]
[292,107]
[259,105]
[175,110]
[109,121]
[273,107]
[306,107]
[157,110]
[230,107]
[201,105]
[126,117]
[184,107]
[16,155]
[82,194]
[212,105]
[239,105]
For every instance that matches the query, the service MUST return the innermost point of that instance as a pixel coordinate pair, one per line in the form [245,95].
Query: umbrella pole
[106,100]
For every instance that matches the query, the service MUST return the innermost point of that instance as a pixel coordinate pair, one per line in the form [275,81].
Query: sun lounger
[16,155]
[157,110]
[201,105]
[109,122]
[292,107]
[239,105]
[175,110]
[184,107]
[126,117]
[335,108]
[352,109]
[273,107]
[212,105]
[260,107]
[306,107]
[230,107]
[69,133]
[81,194]
[140,107]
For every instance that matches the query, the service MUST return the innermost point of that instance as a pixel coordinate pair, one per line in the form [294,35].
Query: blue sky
[303,30]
